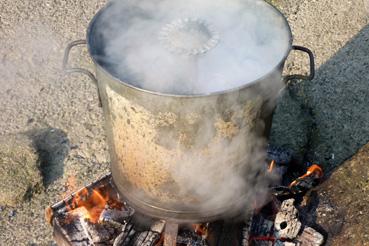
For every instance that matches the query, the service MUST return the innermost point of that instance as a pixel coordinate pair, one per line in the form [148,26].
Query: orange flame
[314,171]
[271,166]
[201,229]
[87,204]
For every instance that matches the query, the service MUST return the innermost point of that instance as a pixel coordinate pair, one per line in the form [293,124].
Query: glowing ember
[89,204]
[201,229]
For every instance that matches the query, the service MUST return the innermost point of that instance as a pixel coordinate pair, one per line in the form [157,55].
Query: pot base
[177,216]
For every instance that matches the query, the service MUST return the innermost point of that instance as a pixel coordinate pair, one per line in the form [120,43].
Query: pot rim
[198,95]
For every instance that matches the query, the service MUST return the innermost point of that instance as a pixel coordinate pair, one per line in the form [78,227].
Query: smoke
[232,172]
[192,47]
[221,181]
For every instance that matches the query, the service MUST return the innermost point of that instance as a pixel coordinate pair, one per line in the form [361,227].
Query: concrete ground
[326,120]
[35,95]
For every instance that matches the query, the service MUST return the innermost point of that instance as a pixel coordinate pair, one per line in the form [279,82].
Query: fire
[271,166]
[201,229]
[88,204]
[315,172]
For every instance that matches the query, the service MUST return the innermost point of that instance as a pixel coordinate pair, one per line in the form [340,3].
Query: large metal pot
[169,151]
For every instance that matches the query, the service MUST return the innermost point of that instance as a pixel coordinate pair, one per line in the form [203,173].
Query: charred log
[146,238]
[125,236]
[310,237]
[287,224]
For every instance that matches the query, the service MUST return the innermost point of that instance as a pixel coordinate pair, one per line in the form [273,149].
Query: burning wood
[150,237]
[307,181]
[170,234]
[286,228]
[287,224]
[261,232]
[94,215]
[125,237]
[302,184]
[310,237]
[245,234]
[146,238]
[187,237]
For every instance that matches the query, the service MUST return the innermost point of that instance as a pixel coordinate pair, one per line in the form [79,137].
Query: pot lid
[192,47]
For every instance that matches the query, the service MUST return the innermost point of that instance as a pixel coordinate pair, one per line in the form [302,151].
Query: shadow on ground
[53,146]
[326,120]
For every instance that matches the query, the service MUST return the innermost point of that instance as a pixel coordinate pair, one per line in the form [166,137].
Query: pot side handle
[311,62]
[68,70]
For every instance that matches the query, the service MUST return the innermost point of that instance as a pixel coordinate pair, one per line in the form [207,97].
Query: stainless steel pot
[158,139]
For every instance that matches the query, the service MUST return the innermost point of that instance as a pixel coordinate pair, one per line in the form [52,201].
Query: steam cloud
[200,47]
[246,40]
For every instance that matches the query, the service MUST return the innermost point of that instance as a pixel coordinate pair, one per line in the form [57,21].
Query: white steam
[198,47]
[193,46]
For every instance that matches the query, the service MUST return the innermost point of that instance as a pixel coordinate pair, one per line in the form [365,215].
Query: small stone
[74,146]
[30,120]
[12,213]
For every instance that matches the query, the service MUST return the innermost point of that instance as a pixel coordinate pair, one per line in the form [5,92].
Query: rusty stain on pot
[149,145]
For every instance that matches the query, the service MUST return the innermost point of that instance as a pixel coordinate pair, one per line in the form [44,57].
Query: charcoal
[73,232]
[261,226]
[149,238]
[279,155]
[116,217]
[245,232]
[261,231]
[287,224]
[112,223]
[115,214]
[158,226]
[146,238]
[190,238]
[303,185]
[281,191]
[281,243]
[125,237]
[310,237]
[99,233]
[262,241]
